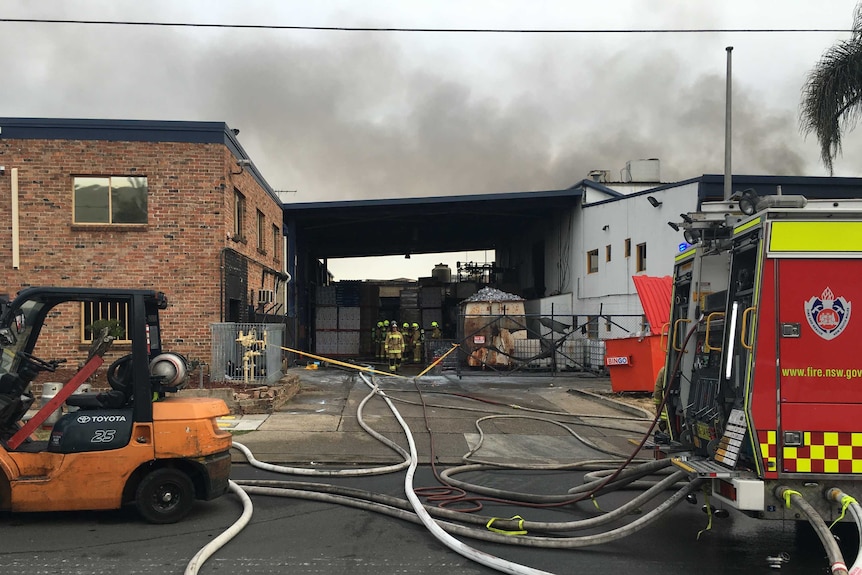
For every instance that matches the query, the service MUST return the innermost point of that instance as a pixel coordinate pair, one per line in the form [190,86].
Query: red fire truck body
[764,385]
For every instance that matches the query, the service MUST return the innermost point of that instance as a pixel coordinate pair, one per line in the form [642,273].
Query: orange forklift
[134,443]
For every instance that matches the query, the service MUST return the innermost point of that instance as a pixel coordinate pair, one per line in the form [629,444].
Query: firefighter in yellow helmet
[394,346]
[417,337]
[381,340]
[435,331]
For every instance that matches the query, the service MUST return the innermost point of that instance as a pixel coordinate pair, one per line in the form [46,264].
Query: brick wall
[178,251]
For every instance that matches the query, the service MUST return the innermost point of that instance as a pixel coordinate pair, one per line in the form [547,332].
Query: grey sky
[348,115]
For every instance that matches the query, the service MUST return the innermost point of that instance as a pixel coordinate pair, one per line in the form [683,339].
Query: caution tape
[366,368]
[343,363]
[438,360]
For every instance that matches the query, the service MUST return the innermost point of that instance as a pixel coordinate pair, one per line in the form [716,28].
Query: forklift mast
[22,319]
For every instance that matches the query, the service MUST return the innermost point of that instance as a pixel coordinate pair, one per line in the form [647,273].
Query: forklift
[135,443]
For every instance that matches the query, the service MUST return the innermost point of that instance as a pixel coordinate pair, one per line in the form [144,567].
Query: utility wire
[435,30]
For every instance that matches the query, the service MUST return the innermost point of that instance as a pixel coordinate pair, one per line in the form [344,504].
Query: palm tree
[832,94]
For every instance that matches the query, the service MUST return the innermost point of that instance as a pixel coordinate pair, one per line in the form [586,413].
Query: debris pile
[493,294]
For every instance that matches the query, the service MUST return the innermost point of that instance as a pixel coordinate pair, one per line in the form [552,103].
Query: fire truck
[763,394]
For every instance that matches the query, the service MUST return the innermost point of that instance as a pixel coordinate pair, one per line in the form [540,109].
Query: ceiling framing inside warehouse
[403,226]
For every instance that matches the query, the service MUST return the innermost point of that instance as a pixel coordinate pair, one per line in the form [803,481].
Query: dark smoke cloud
[362,116]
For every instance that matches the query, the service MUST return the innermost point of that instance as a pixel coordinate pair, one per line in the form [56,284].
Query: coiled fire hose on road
[413,510]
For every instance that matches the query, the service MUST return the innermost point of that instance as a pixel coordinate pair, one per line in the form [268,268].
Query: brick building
[172,206]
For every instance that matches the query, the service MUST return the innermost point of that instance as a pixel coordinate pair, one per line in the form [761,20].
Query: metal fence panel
[247,352]
[545,342]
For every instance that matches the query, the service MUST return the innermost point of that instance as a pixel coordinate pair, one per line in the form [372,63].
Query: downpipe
[794,498]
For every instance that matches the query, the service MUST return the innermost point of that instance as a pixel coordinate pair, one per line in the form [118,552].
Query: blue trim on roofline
[514,196]
[131,131]
[708,182]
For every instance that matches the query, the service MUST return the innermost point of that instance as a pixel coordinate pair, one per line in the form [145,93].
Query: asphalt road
[304,537]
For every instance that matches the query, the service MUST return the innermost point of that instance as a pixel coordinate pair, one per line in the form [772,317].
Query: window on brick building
[276,243]
[261,231]
[111,314]
[110,200]
[238,216]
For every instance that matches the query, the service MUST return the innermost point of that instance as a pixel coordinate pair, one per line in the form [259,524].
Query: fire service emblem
[827,315]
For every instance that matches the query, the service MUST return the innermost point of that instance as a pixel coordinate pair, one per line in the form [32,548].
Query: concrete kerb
[619,405]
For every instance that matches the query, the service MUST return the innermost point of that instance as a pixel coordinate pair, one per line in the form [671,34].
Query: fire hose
[417,512]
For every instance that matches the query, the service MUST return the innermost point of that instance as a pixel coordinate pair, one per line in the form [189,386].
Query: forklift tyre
[165,495]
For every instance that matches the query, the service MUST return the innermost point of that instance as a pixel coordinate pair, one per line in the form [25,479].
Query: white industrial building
[620,229]
[570,254]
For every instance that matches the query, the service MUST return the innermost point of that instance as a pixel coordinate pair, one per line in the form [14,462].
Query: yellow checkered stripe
[768,449]
[820,452]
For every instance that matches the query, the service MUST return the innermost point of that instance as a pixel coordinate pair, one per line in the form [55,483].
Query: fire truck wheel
[165,496]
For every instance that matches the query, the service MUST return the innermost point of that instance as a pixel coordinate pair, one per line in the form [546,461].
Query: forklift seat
[111,399]
[120,380]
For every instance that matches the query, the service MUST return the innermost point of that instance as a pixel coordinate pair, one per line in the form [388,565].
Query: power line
[436,30]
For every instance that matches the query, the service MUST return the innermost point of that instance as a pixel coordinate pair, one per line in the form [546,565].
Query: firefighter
[375,339]
[435,331]
[658,399]
[408,342]
[417,338]
[381,341]
[394,346]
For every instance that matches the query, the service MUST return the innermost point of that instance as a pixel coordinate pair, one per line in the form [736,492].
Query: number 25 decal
[103,436]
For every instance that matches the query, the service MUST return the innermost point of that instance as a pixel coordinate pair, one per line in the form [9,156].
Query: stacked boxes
[431,302]
[326,318]
[369,315]
[337,320]
[326,295]
[409,300]
[348,343]
[348,318]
